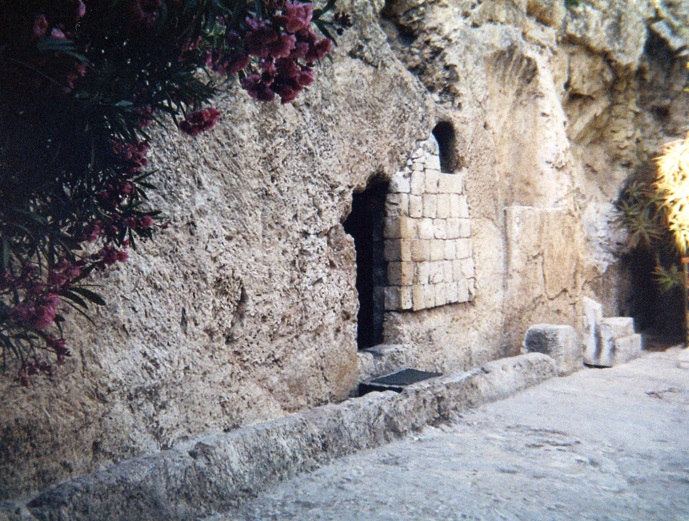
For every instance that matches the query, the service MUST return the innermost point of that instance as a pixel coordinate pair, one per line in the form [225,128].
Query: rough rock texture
[561,343]
[245,308]
[214,473]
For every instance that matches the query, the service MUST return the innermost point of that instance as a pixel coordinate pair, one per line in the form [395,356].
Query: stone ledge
[210,475]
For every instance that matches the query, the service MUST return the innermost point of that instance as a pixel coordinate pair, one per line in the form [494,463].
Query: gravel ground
[601,444]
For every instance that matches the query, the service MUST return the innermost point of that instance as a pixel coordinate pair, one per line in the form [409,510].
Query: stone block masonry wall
[428,249]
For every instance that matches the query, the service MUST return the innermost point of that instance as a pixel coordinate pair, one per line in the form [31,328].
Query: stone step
[617,327]
[613,351]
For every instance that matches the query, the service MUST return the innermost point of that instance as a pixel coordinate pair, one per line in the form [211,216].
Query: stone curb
[213,474]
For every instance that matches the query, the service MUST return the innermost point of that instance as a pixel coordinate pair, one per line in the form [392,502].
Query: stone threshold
[212,474]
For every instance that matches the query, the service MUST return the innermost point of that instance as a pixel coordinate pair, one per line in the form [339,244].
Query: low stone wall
[209,475]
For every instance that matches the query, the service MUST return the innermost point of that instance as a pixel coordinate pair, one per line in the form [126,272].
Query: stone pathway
[601,444]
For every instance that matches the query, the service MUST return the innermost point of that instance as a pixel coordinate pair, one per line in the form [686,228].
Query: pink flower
[265,41]
[318,50]
[297,16]
[57,33]
[146,221]
[199,121]
[40,26]
[257,89]
[144,13]
[46,311]
[80,9]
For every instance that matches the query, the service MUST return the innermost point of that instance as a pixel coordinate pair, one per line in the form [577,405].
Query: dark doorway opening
[444,134]
[366,224]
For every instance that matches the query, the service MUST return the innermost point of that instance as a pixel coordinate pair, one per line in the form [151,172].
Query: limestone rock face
[245,308]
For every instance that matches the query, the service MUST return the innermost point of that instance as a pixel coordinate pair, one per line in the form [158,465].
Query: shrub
[82,82]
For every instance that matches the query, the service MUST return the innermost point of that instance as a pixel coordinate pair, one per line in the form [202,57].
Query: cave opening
[366,224]
[444,134]
[657,313]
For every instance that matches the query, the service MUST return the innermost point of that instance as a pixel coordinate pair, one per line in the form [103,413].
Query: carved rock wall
[245,308]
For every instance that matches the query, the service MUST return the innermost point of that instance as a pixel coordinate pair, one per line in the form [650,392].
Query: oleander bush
[83,80]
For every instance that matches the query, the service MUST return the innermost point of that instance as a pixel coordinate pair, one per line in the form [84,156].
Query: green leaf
[74,298]
[317,13]
[322,28]
[91,296]
[6,253]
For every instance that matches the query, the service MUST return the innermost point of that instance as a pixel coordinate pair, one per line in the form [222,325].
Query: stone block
[463,207]
[464,288]
[395,250]
[418,182]
[614,343]
[429,295]
[433,161]
[450,251]
[399,228]
[405,250]
[454,205]
[440,294]
[618,326]
[432,178]
[425,228]
[399,183]
[422,273]
[400,273]
[593,314]
[436,273]
[627,348]
[455,183]
[430,205]
[465,228]
[557,341]
[447,271]
[419,297]
[445,184]
[406,298]
[420,250]
[457,274]
[452,292]
[397,205]
[440,229]
[453,228]
[443,206]
[437,250]
[415,206]
[467,268]
[393,301]
[463,248]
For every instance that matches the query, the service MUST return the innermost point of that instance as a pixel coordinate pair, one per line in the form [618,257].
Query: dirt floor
[602,444]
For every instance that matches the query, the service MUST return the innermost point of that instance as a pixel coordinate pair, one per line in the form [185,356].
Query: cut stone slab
[617,326]
[560,342]
[593,315]
[627,348]
[615,344]
[396,382]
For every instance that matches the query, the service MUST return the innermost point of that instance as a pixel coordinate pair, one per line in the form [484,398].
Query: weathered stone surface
[593,315]
[245,309]
[559,342]
[203,477]
[616,343]
[384,359]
